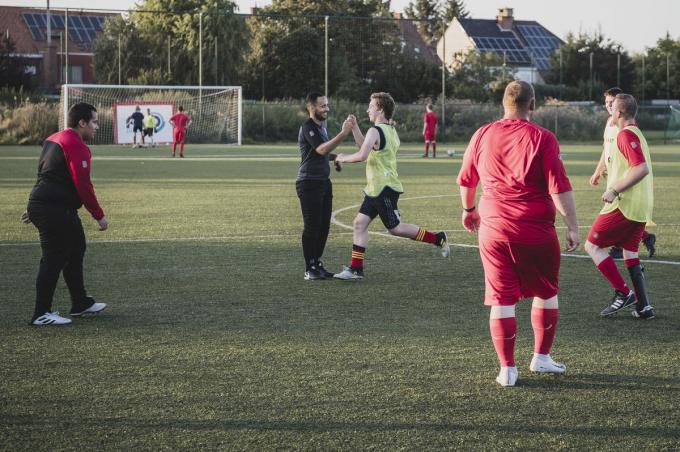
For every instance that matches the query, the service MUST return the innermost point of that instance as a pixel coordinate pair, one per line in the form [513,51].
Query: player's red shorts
[613,229]
[430,135]
[513,271]
[178,135]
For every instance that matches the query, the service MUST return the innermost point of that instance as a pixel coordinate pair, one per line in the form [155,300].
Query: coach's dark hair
[627,105]
[80,111]
[180,108]
[385,102]
[312,97]
[613,92]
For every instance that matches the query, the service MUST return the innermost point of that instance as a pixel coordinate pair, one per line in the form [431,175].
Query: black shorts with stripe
[383,205]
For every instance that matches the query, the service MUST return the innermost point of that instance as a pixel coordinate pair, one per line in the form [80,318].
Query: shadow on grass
[655,432]
[597,381]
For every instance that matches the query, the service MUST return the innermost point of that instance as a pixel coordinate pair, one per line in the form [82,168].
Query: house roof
[527,43]
[415,42]
[27,28]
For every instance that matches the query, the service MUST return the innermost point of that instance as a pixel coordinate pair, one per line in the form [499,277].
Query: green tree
[428,16]
[158,30]
[11,68]
[479,76]
[575,68]
[657,86]
[452,9]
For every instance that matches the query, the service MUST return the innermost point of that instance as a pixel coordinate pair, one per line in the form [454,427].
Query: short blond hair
[518,94]
[385,102]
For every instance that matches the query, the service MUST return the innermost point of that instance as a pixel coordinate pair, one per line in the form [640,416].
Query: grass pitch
[212,340]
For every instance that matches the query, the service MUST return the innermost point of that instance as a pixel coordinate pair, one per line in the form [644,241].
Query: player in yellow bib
[149,126]
[611,130]
[629,201]
[379,150]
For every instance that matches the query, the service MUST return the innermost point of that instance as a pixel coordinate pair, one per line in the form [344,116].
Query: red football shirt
[431,120]
[181,120]
[630,147]
[519,166]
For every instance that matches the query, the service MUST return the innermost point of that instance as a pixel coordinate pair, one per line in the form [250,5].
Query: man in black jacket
[63,186]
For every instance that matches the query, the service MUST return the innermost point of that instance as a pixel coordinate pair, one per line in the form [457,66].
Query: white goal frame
[66,86]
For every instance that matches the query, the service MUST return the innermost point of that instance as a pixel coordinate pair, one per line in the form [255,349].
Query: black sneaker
[313,274]
[322,270]
[443,243]
[616,252]
[650,243]
[620,301]
[646,314]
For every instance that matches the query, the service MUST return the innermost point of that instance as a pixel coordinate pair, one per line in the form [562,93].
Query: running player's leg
[367,213]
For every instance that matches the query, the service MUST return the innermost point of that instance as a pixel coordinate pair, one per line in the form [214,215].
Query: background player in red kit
[63,186]
[180,121]
[430,121]
[523,184]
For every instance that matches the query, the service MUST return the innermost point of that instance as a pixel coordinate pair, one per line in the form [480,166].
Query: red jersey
[430,120]
[64,174]
[519,166]
[181,120]
[629,145]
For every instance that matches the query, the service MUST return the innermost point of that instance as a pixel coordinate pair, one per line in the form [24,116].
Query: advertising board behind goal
[162,111]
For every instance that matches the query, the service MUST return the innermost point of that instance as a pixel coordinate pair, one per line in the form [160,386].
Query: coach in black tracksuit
[313,184]
[63,186]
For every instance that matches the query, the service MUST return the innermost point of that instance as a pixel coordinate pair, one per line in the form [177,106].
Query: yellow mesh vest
[637,202]
[381,165]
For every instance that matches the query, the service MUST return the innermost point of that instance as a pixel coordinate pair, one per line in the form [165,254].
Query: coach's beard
[320,116]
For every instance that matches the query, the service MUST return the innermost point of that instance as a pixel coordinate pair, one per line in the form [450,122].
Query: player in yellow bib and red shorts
[629,201]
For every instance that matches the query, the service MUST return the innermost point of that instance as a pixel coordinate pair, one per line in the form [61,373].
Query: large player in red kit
[523,184]
[180,121]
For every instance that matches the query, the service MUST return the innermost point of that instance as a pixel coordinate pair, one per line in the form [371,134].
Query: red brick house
[27,28]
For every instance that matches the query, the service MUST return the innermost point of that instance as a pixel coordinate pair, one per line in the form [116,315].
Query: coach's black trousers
[62,240]
[316,201]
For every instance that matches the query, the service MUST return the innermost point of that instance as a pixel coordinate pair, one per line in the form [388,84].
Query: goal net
[215,111]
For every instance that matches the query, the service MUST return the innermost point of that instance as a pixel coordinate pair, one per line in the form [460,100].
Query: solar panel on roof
[82,29]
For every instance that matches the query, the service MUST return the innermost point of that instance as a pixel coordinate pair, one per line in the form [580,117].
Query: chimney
[397,15]
[504,18]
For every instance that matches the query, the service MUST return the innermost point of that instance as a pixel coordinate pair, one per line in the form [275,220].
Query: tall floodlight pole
[200,51]
[216,62]
[560,73]
[643,77]
[668,78]
[325,77]
[48,51]
[120,71]
[169,71]
[444,78]
[590,90]
[66,45]
[618,69]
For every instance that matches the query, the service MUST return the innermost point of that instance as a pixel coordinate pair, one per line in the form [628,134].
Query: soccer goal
[215,110]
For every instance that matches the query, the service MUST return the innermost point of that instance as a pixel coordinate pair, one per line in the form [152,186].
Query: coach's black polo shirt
[313,166]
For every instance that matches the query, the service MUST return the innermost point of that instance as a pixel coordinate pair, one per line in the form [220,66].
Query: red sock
[544,323]
[174,147]
[181,149]
[609,270]
[434,148]
[358,253]
[425,236]
[503,334]
[427,147]
[631,262]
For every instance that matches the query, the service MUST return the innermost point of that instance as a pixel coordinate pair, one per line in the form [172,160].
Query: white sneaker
[51,318]
[349,274]
[507,376]
[95,308]
[544,364]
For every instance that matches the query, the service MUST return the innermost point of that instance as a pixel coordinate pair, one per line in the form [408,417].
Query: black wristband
[471,209]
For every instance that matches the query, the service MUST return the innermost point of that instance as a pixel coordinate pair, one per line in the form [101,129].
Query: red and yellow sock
[358,253]
[426,236]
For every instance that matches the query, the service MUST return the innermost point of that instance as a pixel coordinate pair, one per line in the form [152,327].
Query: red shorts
[513,271]
[178,135]
[613,229]
[430,135]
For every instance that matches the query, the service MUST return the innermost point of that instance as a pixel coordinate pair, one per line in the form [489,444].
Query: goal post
[216,111]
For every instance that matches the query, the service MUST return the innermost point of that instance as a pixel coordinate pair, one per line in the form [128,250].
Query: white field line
[337,222]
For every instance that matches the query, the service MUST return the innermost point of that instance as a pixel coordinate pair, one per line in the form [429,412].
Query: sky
[634,24]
